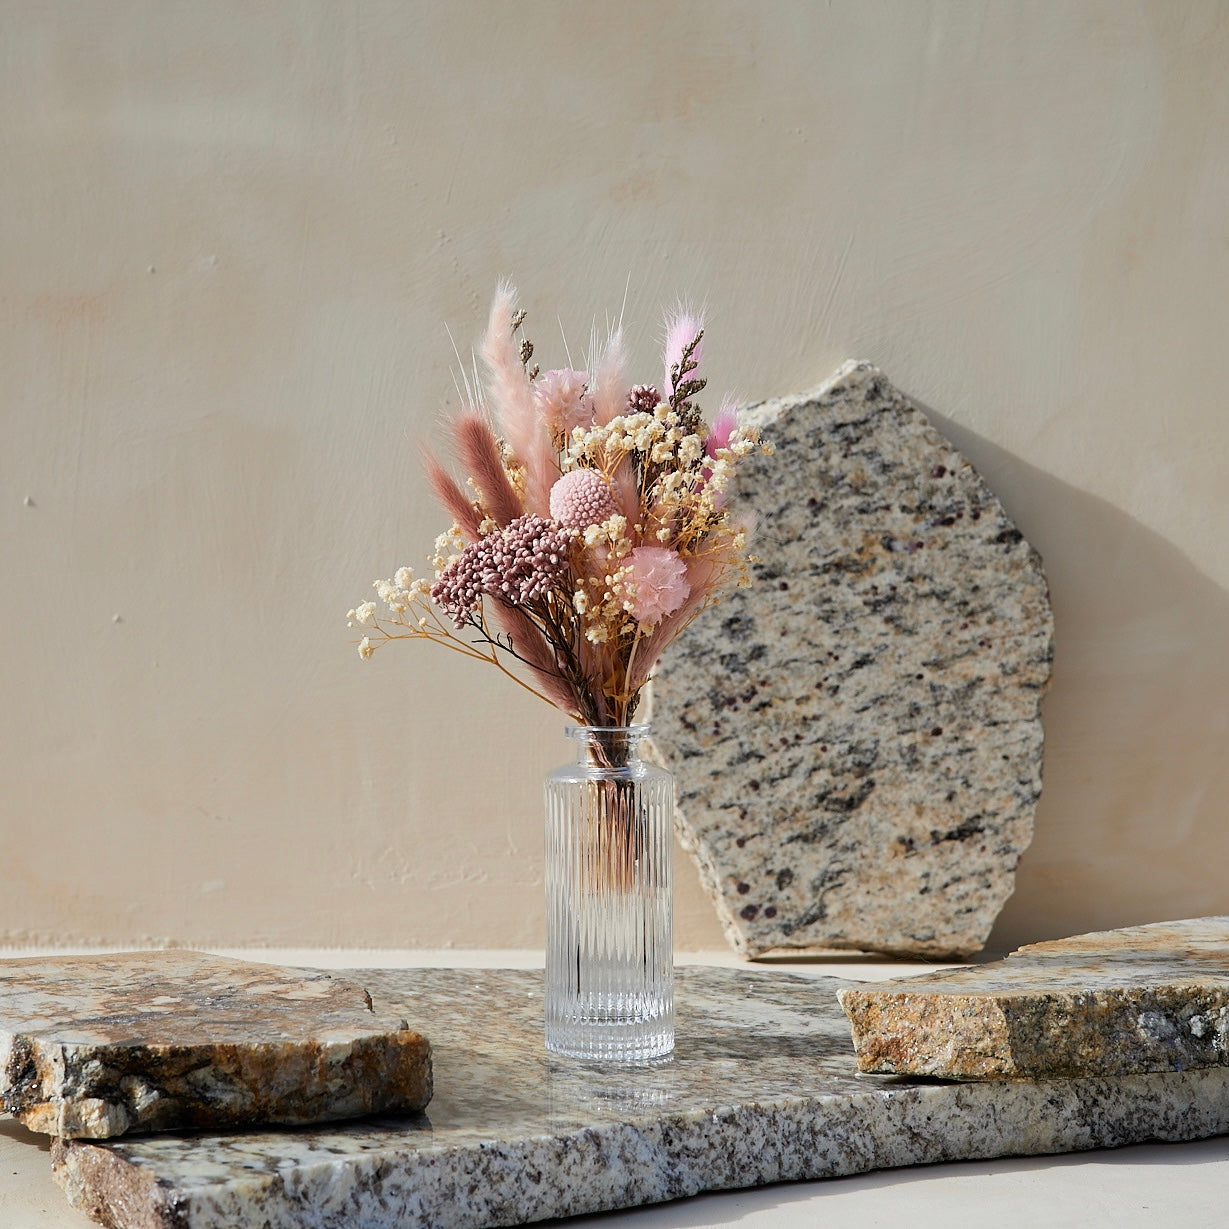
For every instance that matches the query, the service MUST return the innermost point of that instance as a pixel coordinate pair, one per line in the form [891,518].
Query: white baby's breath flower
[365,648]
[691,449]
[365,613]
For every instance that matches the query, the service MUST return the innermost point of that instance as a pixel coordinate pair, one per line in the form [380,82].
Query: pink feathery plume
[724,426]
[725,422]
[682,328]
[530,646]
[462,510]
[623,483]
[479,450]
[516,412]
[609,387]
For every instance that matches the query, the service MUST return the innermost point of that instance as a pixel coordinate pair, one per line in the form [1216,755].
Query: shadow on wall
[1133,822]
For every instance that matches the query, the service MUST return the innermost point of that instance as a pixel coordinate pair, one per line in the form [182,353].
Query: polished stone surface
[856,737]
[97,1046]
[1145,998]
[763,1089]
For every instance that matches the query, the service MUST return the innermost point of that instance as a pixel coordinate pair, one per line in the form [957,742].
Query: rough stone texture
[1148,998]
[856,737]
[96,1046]
[763,1089]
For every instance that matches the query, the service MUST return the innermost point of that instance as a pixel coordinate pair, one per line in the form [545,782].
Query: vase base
[627,1042]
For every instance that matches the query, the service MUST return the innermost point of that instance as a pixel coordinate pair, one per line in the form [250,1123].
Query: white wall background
[231,237]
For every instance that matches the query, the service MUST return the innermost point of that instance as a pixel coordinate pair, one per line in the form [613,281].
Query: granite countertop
[1123,1187]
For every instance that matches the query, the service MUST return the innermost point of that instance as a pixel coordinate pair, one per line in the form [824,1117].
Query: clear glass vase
[609,954]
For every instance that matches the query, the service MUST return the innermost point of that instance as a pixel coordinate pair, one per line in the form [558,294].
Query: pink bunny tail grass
[725,422]
[529,644]
[609,387]
[510,395]
[478,448]
[462,510]
[682,328]
[701,577]
[508,390]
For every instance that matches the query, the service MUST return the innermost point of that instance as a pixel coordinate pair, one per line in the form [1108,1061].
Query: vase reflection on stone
[609,956]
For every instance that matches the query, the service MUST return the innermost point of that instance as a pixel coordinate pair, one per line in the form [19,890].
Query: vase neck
[608,746]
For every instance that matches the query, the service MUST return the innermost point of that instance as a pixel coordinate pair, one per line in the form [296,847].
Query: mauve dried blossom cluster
[595,526]
[517,565]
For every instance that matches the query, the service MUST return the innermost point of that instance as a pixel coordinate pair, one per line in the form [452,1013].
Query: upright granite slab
[96,1046]
[1146,998]
[763,1088]
[856,738]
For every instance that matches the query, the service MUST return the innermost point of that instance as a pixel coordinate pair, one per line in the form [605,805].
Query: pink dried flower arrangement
[594,530]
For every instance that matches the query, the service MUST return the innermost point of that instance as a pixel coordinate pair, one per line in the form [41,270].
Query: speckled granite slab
[96,1046]
[856,737]
[1147,998]
[763,1089]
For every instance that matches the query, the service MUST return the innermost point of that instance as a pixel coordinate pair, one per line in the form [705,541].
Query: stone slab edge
[1075,1022]
[623,1165]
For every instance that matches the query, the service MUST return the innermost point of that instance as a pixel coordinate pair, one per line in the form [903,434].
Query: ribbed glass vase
[609,954]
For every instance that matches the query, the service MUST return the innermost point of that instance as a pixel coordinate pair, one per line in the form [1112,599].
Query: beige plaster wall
[232,235]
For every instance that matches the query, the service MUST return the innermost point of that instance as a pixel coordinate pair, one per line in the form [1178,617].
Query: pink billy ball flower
[582,498]
[660,577]
[563,401]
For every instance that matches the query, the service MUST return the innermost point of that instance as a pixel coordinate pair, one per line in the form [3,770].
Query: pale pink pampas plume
[563,400]
[609,385]
[682,327]
[623,482]
[461,510]
[724,425]
[478,448]
[529,644]
[725,422]
[516,412]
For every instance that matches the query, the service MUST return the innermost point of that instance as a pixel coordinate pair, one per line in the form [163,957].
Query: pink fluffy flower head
[660,578]
[563,401]
[582,498]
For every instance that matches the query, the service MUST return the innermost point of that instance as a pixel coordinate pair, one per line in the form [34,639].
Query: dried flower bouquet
[594,527]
